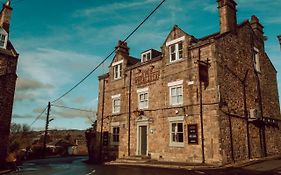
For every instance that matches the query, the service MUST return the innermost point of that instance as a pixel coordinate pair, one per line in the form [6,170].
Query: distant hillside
[30,138]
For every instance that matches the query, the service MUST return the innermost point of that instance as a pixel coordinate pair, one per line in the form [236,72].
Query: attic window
[146,56]
[3,38]
[176,49]
[175,52]
[117,70]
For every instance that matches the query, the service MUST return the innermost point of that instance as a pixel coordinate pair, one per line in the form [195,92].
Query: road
[75,166]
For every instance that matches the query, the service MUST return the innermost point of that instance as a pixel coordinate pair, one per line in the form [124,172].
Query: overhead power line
[82,110]
[77,109]
[38,116]
[83,79]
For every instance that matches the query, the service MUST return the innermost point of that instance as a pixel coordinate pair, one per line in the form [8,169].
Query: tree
[25,128]
[15,128]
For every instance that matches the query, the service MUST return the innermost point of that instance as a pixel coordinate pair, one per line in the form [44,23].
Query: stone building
[8,76]
[212,99]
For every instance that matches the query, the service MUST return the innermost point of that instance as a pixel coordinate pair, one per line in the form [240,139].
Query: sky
[60,41]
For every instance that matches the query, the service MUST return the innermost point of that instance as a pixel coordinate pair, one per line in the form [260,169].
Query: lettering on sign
[192,134]
[147,76]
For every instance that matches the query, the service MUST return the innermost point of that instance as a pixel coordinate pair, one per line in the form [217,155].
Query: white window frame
[256,59]
[3,41]
[176,85]
[176,43]
[176,120]
[141,103]
[117,70]
[115,125]
[149,52]
[116,109]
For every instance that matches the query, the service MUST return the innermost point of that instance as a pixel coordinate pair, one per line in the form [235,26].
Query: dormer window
[175,52]
[3,38]
[146,56]
[117,70]
[176,49]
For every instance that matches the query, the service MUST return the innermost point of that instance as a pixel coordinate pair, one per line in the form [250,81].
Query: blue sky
[61,41]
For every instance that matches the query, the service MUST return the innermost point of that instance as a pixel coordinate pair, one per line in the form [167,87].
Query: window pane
[120,70]
[173,57]
[179,90]
[174,100]
[180,54]
[173,91]
[174,125]
[180,137]
[148,56]
[174,139]
[144,57]
[145,96]
[172,47]
[179,99]
[180,45]
[180,127]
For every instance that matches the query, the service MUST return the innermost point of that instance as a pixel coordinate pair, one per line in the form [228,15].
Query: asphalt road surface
[76,166]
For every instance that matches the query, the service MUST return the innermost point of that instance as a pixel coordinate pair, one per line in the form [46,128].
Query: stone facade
[8,66]
[240,107]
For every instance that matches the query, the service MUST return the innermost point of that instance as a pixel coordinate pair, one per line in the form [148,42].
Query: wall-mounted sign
[147,76]
[192,134]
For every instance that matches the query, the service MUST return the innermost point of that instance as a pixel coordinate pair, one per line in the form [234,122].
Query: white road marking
[91,172]
[200,172]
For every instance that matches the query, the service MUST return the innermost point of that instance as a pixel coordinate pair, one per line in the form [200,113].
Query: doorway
[142,147]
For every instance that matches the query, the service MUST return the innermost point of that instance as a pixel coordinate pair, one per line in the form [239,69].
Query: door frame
[142,122]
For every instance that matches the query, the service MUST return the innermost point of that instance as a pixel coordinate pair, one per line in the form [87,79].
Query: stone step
[133,159]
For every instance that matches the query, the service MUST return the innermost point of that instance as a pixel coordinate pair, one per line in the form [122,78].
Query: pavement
[253,164]
[75,165]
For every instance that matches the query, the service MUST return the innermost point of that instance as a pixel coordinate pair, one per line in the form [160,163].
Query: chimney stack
[227,13]
[5,16]
[257,27]
[122,48]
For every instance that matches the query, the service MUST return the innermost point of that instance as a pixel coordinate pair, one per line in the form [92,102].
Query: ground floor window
[115,135]
[176,134]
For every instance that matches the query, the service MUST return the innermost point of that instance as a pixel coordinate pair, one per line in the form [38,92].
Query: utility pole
[46,130]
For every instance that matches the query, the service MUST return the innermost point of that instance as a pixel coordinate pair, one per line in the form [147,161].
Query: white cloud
[111,8]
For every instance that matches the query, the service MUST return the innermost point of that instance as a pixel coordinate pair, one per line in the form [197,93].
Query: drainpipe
[129,117]
[246,114]
[201,109]
[102,113]
[261,108]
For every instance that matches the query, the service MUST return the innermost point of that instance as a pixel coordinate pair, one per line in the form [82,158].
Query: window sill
[115,79]
[176,105]
[143,109]
[176,61]
[174,144]
[115,113]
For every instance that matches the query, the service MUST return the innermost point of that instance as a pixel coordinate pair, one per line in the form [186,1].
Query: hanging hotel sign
[147,76]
